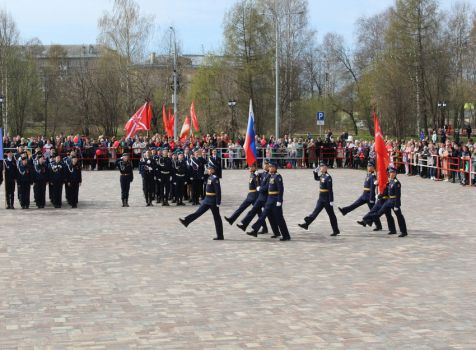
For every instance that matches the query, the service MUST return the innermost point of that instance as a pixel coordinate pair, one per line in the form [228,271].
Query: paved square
[104,277]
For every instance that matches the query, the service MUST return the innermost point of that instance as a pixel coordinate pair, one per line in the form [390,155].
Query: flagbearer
[325,201]
[212,201]
[394,191]
[274,205]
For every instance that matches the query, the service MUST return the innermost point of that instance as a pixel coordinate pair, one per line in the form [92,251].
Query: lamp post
[175,83]
[2,99]
[232,105]
[277,116]
[441,107]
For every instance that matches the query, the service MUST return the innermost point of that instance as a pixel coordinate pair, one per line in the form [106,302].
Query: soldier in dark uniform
[253,185]
[259,204]
[195,176]
[165,172]
[216,162]
[10,166]
[40,181]
[24,181]
[127,176]
[212,201]
[367,197]
[203,174]
[67,163]
[56,177]
[156,155]
[325,201]
[273,206]
[368,219]
[393,189]
[180,178]
[74,179]
[147,170]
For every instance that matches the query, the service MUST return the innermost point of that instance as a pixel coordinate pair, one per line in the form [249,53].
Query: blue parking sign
[320,118]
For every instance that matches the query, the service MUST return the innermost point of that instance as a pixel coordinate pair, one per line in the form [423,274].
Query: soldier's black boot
[241,226]
[228,220]
[123,202]
[304,226]
[335,233]
[127,201]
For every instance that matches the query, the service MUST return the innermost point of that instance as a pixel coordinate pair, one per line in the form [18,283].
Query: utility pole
[175,84]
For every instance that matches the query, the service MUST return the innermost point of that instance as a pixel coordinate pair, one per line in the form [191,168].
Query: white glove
[218,205]
[278,204]
[371,202]
[332,204]
[257,188]
[256,173]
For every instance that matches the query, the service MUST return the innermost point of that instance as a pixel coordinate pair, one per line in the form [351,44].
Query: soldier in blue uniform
[368,195]
[393,191]
[73,180]
[253,185]
[10,168]
[127,176]
[274,205]
[259,204]
[147,170]
[164,167]
[325,201]
[212,201]
[24,181]
[56,177]
[180,178]
[40,181]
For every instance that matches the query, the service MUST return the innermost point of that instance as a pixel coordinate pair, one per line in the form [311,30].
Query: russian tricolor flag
[250,145]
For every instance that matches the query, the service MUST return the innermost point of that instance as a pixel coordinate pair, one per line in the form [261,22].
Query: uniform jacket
[125,168]
[325,187]
[212,191]
[275,188]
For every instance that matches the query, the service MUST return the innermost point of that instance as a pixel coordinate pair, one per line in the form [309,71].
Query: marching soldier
[273,206]
[74,180]
[127,176]
[203,173]
[259,204]
[24,181]
[393,189]
[56,177]
[147,170]
[325,201]
[253,185]
[40,181]
[180,178]
[165,172]
[367,197]
[10,166]
[212,201]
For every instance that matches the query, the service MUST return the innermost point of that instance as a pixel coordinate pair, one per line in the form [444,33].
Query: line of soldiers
[25,170]
[266,194]
[169,176]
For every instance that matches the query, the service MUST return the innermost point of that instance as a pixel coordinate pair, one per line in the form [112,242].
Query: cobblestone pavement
[104,277]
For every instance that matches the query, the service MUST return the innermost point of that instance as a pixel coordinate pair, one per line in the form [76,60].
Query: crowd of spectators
[436,156]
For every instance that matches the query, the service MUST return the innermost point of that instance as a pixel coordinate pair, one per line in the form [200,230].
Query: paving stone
[106,277]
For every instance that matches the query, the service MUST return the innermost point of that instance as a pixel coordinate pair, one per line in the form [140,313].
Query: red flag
[195,123]
[185,129]
[139,121]
[165,119]
[383,158]
[170,125]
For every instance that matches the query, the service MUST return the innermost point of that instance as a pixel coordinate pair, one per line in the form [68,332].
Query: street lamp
[2,99]
[232,105]
[441,107]
[277,107]
[175,83]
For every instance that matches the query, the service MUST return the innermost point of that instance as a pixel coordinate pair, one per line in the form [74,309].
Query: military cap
[391,169]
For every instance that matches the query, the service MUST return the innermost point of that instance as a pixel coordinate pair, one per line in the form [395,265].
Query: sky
[198,23]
